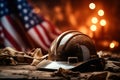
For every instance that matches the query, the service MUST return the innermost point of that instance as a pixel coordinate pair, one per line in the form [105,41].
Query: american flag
[8,31]
[39,29]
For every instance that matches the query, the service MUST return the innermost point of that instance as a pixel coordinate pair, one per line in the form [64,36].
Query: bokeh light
[93,27]
[94,20]
[100,12]
[103,22]
[113,44]
[92,6]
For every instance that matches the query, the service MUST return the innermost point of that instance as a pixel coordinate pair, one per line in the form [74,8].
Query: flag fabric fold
[41,31]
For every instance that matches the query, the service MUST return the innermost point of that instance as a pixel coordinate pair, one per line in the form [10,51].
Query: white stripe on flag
[48,29]
[36,38]
[44,36]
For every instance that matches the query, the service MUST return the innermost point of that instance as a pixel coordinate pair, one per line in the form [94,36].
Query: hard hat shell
[72,44]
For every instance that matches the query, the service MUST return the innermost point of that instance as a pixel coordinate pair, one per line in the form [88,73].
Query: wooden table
[26,71]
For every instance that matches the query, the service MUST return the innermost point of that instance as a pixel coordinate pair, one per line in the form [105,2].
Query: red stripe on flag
[40,36]
[53,28]
[46,33]
[13,23]
[11,39]
[1,32]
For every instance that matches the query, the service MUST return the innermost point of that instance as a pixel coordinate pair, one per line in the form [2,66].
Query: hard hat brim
[86,66]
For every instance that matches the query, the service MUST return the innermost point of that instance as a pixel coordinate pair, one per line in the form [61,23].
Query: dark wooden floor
[26,71]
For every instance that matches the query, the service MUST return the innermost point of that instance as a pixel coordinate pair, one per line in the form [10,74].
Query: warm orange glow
[58,13]
[57,9]
[105,43]
[36,10]
[92,6]
[94,20]
[72,19]
[93,28]
[83,29]
[100,12]
[103,22]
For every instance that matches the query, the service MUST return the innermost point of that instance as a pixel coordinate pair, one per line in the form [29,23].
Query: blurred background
[97,18]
